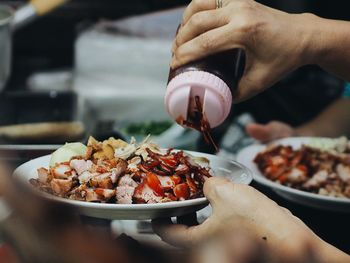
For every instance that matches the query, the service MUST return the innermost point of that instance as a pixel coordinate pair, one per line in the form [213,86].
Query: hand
[240,207]
[272,131]
[274,41]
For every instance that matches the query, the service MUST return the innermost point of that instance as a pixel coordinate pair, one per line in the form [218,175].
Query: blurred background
[101,67]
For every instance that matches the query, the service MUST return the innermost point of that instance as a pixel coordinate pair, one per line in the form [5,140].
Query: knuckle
[196,20]
[245,23]
[198,3]
[244,5]
[246,19]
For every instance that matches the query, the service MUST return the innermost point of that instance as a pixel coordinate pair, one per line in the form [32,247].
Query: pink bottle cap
[213,92]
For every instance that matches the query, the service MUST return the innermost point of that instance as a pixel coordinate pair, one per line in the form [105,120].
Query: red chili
[154,183]
[182,191]
[176,179]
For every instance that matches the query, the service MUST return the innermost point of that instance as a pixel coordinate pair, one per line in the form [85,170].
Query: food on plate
[114,171]
[325,172]
[328,144]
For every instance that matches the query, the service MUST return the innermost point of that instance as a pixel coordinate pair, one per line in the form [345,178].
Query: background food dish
[221,167]
[246,157]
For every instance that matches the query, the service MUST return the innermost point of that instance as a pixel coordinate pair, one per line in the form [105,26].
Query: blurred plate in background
[246,157]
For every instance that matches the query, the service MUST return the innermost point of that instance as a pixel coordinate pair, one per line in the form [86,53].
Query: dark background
[48,42]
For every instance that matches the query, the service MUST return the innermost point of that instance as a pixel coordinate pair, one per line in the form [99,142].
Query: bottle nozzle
[215,97]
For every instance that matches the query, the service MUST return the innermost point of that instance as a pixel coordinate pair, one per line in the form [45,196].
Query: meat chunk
[296,175]
[145,193]
[86,176]
[102,181]
[43,175]
[166,182]
[121,165]
[99,194]
[62,171]
[317,179]
[124,194]
[118,170]
[91,196]
[343,172]
[61,186]
[127,180]
[132,164]
[80,165]
[105,194]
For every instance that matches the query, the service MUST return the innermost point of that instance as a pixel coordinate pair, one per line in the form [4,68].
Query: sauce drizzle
[197,120]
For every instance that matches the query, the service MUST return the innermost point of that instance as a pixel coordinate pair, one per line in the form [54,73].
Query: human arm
[242,207]
[275,42]
[334,121]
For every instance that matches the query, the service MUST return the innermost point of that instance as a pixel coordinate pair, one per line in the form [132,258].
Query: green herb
[145,128]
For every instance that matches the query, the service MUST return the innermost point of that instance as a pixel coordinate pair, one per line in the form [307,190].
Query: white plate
[221,167]
[246,157]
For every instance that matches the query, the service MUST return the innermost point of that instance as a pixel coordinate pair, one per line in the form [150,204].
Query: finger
[173,47]
[260,132]
[174,234]
[213,187]
[281,130]
[188,220]
[200,23]
[197,6]
[204,45]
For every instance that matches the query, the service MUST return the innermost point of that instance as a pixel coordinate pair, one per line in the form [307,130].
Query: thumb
[182,235]
[217,190]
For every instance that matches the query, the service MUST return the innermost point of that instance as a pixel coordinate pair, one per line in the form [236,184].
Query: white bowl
[246,157]
[221,167]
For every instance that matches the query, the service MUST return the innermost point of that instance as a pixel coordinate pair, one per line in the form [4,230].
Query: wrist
[310,44]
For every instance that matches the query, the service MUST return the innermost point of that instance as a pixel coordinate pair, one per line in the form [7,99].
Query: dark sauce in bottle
[226,67]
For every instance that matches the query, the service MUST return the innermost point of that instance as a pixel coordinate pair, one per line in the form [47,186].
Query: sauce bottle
[199,94]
